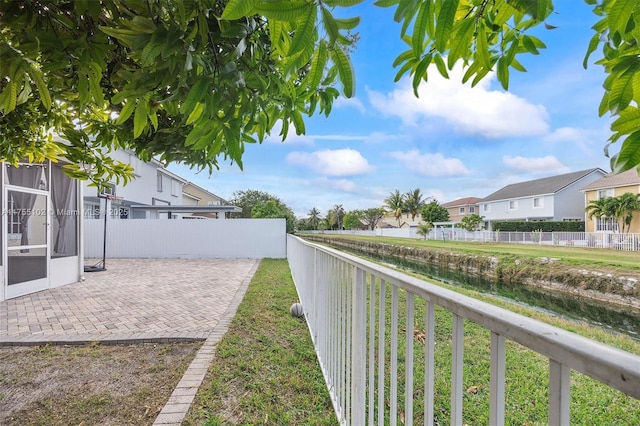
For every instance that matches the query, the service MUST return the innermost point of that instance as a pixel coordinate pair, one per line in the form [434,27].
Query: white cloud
[342,102]
[380,137]
[343,185]
[432,165]
[477,110]
[547,163]
[337,162]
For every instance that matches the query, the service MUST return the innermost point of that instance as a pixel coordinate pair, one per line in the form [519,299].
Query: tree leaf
[618,14]
[318,64]
[444,24]
[420,28]
[420,73]
[386,3]
[330,25]
[197,92]
[196,113]
[298,122]
[305,30]
[621,92]
[442,68]
[343,3]
[125,112]
[11,94]
[348,23]
[502,72]
[628,121]
[345,71]
[290,11]
[629,154]
[537,9]
[140,118]
[236,9]
[125,36]
[482,49]
[463,35]
[43,90]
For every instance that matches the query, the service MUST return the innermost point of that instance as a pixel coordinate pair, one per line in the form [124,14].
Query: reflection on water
[596,313]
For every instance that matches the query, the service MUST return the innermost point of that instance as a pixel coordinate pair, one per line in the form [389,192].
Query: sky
[453,141]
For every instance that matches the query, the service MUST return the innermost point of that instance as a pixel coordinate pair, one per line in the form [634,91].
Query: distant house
[461,208]
[194,195]
[153,186]
[611,185]
[389,221]
[554,198]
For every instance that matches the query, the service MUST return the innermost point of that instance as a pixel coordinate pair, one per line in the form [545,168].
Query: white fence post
[358,348]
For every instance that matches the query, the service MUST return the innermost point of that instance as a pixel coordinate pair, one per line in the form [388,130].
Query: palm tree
[314,218]
[625,205]
[338,214]
[330,219]
[602,208]
[423,229]
[395,203]
[414,202]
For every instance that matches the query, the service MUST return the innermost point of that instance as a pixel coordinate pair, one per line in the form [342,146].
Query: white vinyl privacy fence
[181,238]
[358,312]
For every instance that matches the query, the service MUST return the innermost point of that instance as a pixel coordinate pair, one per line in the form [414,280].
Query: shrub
[547,226]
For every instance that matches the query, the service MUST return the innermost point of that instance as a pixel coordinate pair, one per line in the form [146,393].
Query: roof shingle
[611,180]
[548,185]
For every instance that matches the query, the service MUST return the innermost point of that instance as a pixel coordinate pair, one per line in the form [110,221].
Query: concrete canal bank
[620,289]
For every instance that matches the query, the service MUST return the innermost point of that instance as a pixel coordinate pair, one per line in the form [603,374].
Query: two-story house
[153,185]
[194,195]
[554,198]
[461,208]
[611,185]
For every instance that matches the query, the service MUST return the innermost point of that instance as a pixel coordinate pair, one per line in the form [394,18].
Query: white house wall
[570,202]
[144,188]
[234,238]
[525,210]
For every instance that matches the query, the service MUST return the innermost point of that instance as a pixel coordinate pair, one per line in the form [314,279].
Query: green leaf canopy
[180,81]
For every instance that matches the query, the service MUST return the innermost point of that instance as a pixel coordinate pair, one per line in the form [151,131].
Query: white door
[26,240]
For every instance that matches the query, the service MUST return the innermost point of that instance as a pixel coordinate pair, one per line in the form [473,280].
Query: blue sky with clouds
[453,141]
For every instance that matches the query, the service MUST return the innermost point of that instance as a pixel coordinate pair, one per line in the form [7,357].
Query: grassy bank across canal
[627,262]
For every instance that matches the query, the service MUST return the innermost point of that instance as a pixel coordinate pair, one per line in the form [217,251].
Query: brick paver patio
[133,300]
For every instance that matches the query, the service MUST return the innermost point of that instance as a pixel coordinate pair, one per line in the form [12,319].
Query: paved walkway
[134,300]
[138,300]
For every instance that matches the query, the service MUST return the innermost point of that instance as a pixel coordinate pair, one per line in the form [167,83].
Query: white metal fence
[176,238]
[610,240]
[352,309]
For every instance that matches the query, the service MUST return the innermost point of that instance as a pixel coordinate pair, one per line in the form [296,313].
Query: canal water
[595,313]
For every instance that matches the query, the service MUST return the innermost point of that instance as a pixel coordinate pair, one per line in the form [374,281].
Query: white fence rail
[352,310]
[610,240]
[175,238]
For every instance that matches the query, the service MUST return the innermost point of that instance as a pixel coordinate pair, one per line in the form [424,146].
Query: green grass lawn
[573,256]
[265,370]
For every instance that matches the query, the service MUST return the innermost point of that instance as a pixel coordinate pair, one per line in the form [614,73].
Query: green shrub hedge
[521,226]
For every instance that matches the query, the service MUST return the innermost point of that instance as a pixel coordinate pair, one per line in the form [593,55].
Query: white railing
[609,240]
[352,311]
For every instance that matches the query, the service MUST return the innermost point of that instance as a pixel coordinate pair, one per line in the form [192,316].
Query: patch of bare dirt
[89,385]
